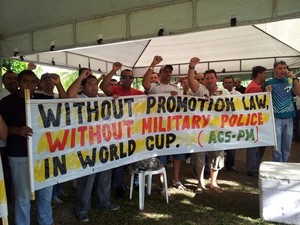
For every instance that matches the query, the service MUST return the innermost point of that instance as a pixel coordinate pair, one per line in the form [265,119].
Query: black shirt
[241,89]
[12,109]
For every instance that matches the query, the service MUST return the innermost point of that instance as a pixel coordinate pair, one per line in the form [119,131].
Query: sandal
[198,191]
[179,185]
[217,189]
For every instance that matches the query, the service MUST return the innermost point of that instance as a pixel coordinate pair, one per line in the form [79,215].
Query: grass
[239,204]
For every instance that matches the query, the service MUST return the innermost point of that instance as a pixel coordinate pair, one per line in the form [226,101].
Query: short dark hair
[7,72]
[126,70]
[113,80]
[165,66]
[210,71]
[276,63]
[256,70]
[83,82]
[228,77]
[25,72]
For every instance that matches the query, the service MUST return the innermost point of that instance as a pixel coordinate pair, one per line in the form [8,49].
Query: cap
[237,79]
[45,75]
[166,66]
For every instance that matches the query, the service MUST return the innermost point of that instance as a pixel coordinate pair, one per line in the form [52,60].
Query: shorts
[164,158]
[198,159]
[216,159]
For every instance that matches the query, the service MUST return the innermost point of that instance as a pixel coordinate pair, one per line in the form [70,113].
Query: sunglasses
[127,77]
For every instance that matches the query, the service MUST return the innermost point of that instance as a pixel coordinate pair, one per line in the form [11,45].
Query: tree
[14,65]
[67,78]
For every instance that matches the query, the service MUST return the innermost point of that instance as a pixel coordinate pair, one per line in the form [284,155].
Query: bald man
[200,78]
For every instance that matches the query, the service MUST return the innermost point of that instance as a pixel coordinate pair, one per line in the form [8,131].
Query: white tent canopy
[221,33]
[235,49]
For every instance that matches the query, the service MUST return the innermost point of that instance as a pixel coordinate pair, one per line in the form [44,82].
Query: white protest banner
[77,137]
[3,201]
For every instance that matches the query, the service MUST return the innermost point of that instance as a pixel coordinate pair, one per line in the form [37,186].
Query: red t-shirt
[253,87]
[117,90]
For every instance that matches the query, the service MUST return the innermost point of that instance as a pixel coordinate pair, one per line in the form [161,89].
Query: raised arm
[55,79]
[147,77]
[296,88]
[100,78]
[105,87]
[31,66]
[193,83]
[74,87]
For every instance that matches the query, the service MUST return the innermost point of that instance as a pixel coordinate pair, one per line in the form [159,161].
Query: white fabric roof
[235,49]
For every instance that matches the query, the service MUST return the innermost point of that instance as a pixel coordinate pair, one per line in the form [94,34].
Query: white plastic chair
[142,178]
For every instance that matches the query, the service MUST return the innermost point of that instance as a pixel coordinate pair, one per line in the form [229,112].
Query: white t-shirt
[82,96]
[235,92]
[221,91]
[163,88]
[56,96]
[202,91]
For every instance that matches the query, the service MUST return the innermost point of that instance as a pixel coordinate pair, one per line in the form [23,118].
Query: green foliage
[137,83]
[14,65]
[67,78]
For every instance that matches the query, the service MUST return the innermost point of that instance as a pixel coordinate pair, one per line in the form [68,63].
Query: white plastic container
[279,185]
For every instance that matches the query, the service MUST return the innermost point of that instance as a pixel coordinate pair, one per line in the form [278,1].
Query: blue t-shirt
[282,97]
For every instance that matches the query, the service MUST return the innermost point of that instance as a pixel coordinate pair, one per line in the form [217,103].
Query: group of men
[12,109]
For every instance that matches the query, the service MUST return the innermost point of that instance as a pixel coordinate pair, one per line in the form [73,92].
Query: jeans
[254,157]
[117,177]
[56,189]
[284,136]
[20,178]
[84,190]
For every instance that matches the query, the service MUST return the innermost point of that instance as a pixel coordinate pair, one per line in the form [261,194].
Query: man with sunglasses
[164,87]
[125,89]
[126,80]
